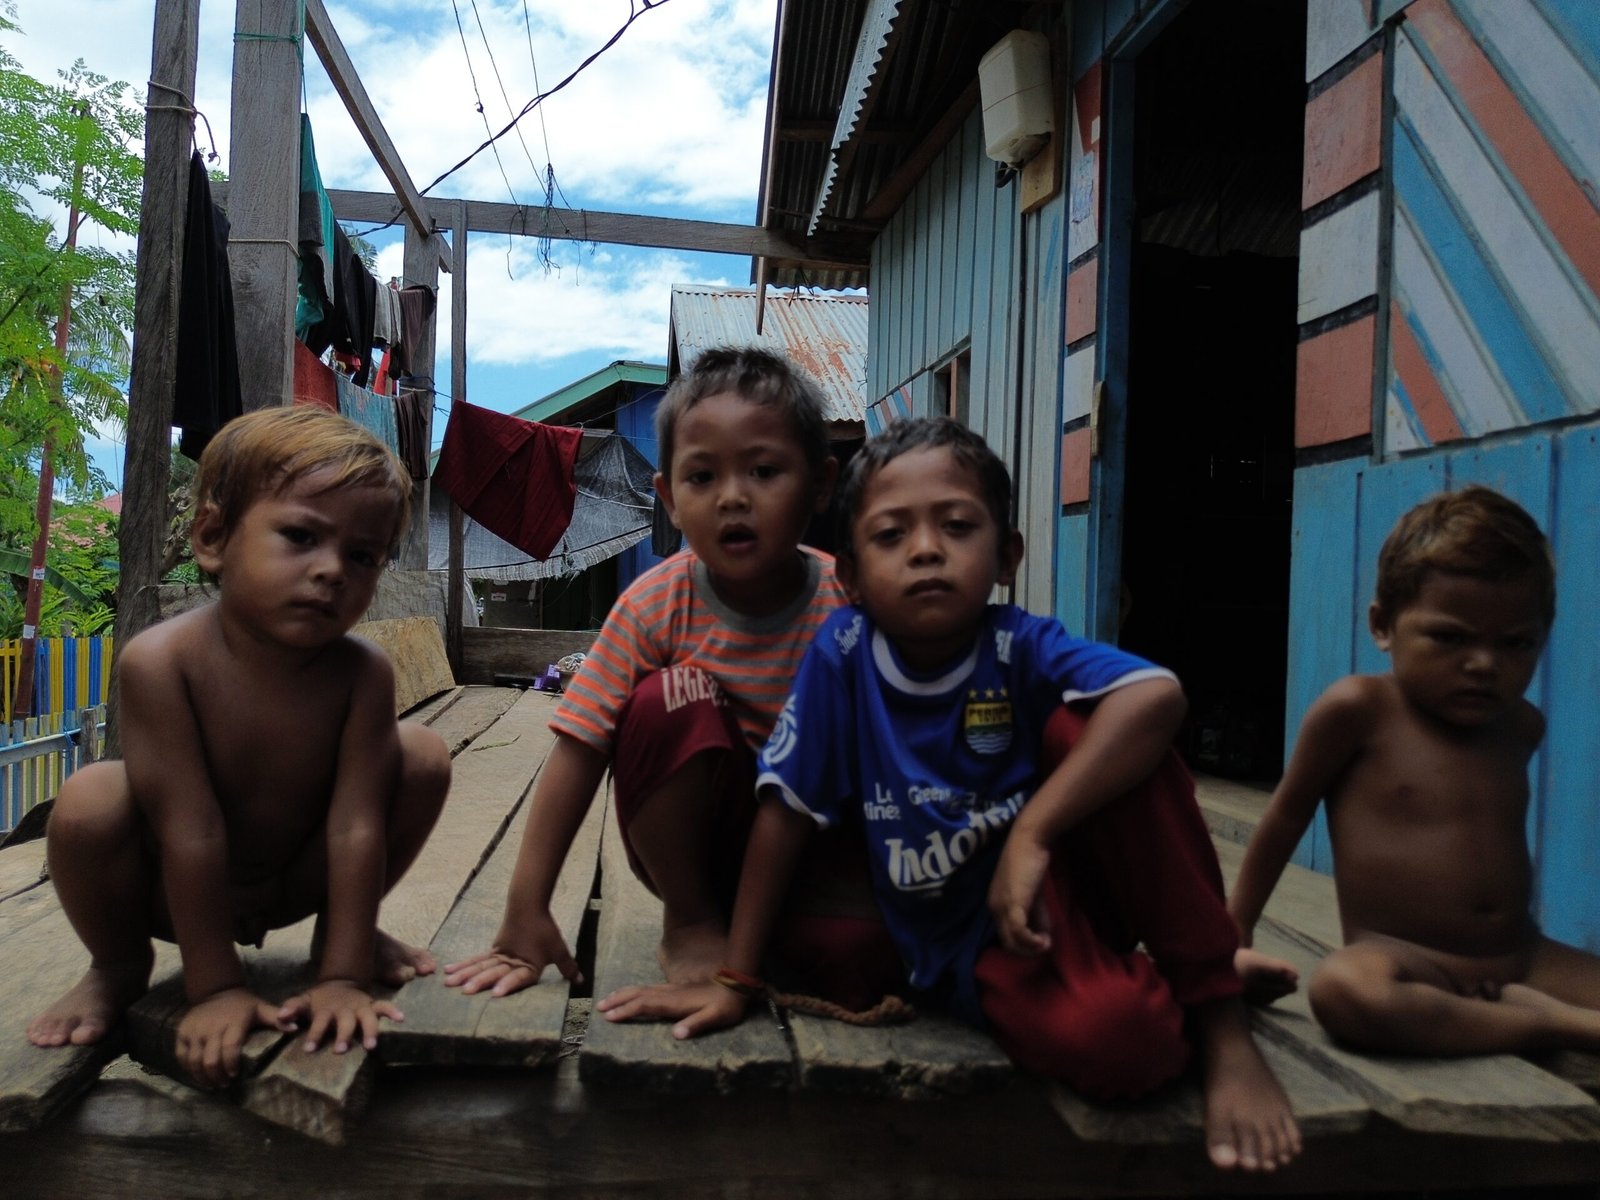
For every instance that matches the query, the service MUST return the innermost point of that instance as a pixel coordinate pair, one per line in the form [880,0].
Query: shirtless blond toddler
[1425,774]
[265,777]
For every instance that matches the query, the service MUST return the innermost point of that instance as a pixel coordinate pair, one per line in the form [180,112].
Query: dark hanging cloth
[412,410]
[348,328]
[513,477]
[416,307]
[207,392]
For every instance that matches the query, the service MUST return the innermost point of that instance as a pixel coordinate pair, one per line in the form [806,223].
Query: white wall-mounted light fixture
[1017,96]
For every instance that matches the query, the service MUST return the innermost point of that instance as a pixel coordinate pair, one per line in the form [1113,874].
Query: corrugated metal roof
[831,52]
[825,334]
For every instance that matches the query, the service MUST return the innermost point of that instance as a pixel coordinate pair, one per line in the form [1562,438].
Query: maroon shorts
[1094,1010]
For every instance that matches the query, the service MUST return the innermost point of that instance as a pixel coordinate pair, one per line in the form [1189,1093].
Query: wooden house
[1283,269]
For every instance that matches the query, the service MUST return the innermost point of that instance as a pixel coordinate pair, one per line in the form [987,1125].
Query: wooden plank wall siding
[945,271]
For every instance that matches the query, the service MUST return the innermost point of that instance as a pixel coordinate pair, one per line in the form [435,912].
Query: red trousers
[1095,1011]
[830,941]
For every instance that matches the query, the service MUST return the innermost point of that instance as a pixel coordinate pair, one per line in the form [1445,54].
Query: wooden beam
[347,82]
[620,229]
[392,215]
[888,198]
[263,247]
[456,579]
[422,266]
[152,386]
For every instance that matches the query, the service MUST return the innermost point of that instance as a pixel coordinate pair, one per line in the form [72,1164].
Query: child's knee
[94,802]
[1348,997]
[424,763]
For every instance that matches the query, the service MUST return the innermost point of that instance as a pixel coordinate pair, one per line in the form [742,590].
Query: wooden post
[421,266]
[264,201]
[168,133]
[456,577]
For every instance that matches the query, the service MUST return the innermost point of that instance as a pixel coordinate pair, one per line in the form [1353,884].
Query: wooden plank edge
[76,1069]
[319,1094]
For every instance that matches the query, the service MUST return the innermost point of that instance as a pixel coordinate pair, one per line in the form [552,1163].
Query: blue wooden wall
[944,280]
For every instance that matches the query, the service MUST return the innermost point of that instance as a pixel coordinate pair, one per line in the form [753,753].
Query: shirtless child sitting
[1425,774]
[265,776]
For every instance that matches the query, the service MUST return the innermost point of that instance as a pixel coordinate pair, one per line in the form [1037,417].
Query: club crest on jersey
[986,720]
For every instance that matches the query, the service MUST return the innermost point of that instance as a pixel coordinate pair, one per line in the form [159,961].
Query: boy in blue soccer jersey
[1016,878]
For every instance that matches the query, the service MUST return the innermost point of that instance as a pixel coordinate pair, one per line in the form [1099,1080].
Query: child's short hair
[924,433]
[1475,532]
[266,451]
[760,377]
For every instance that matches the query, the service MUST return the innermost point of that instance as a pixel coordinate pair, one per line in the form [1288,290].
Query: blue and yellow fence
[69,674]
[36,754]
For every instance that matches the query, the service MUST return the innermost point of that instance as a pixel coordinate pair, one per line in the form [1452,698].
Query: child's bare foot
[1265,978]
[393,961]
[396,963]
[86,1012]
[691,953]
[1249,1124]
[1569,1024]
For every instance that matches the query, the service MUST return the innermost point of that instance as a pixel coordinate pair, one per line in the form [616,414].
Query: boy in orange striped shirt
[685,682]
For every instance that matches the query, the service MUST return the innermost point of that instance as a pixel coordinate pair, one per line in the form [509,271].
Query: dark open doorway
[1219,114]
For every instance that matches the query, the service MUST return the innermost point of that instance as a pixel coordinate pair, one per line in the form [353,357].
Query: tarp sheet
[612,512]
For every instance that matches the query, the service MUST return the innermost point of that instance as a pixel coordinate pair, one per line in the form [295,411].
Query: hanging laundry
[386,317]
[513,477]
[413,414]
[314,380]
[373,413]
[316,232]
[206,391]
[347,327]
[383,381]
[416,307]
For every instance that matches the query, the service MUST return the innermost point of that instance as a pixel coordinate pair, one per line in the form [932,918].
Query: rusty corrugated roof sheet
[825,334]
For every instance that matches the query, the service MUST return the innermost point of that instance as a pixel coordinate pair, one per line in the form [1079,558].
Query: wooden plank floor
[473,1095]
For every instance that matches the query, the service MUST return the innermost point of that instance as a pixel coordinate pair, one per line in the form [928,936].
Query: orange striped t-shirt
[671,616]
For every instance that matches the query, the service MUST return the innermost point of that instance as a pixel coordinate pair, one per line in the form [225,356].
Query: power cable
[478,96]
[634,13]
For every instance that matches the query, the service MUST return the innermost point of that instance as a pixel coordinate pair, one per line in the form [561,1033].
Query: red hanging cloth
[513,477]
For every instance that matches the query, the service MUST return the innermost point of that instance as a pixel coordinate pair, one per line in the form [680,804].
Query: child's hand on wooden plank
[517,960]
[338,1008]
[1015,896]
[697,1007]
[212,1032]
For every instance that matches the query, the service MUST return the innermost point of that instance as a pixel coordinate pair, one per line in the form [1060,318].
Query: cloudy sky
[667,122]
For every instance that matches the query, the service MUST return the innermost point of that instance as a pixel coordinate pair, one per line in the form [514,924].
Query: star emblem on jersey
[986,722]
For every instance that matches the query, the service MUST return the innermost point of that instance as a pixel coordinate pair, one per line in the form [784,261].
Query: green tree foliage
[71,142]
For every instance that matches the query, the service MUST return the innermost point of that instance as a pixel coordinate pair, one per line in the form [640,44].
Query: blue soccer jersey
[936,768]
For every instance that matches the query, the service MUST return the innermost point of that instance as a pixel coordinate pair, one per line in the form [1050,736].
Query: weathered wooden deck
[524,1096]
